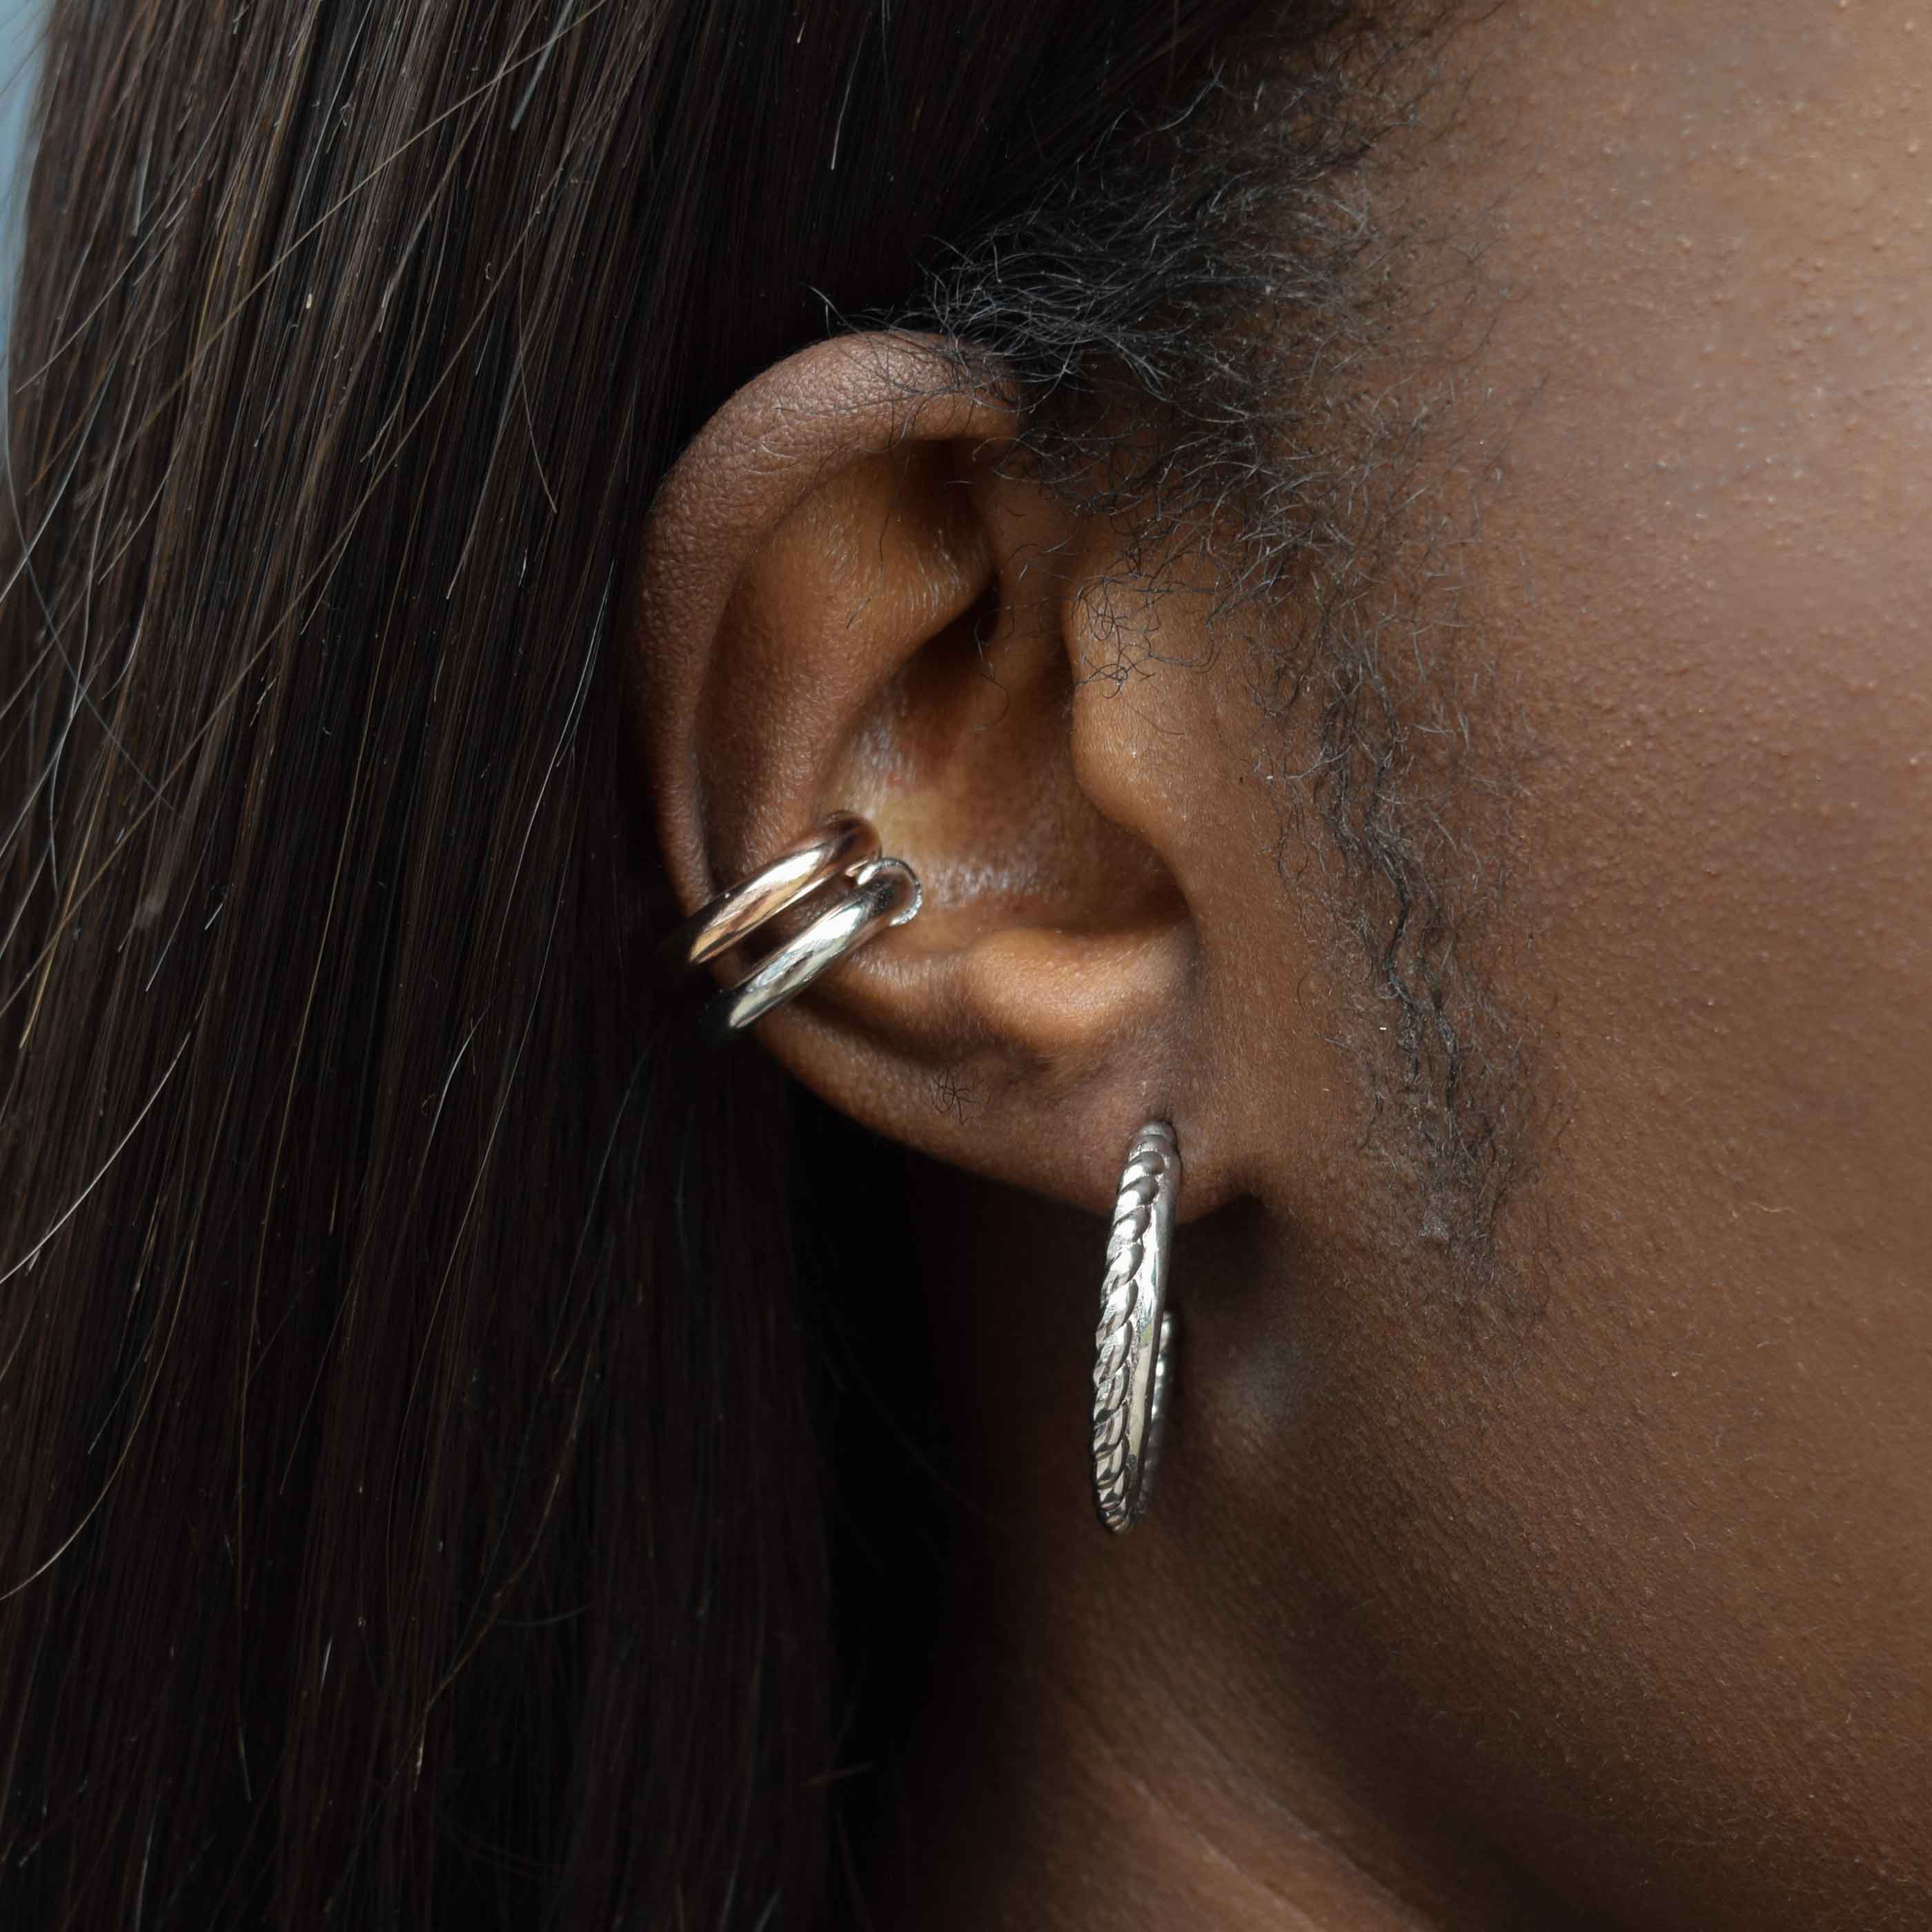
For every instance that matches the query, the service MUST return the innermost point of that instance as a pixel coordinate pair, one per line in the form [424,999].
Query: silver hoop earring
[1132,1346]
[881,893]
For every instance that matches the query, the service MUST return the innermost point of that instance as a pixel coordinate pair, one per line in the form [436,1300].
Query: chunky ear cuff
[880,892]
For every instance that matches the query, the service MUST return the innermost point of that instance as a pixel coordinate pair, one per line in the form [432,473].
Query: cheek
[1708,450]
[1705,558]
[1713,506]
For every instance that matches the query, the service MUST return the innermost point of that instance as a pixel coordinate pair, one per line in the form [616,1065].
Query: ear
[849,599]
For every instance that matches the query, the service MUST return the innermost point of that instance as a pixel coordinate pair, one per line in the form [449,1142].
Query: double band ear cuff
[878,893]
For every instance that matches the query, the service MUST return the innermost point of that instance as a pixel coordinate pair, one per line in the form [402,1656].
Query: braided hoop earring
[880,892]
[1132,1345]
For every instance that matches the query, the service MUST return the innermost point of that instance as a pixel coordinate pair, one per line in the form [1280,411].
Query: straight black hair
[410,1515]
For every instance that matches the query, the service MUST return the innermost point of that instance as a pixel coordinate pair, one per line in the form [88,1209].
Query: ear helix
[880,892]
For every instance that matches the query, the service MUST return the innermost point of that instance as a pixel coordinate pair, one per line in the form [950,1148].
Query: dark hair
[412,1514]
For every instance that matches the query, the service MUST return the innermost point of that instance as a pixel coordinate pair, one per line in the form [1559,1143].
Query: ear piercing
[881,893]
[1132,1346]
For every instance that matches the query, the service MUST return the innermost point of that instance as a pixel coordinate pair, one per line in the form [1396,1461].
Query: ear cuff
[880,892]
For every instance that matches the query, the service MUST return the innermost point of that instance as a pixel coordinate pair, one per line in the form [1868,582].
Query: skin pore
[1600,1599]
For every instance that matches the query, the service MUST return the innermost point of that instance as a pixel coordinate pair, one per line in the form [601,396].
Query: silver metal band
[1133,1345]
[841,844]
[880,892]
[885,891]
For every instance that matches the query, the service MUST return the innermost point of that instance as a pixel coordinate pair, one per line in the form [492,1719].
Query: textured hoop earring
[1132,1345]
[880,892]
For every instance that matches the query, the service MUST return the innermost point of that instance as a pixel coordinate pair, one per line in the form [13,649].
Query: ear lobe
[847,602]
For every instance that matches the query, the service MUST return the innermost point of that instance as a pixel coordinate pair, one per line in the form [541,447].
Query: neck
[1046,1803]
[1115,1733]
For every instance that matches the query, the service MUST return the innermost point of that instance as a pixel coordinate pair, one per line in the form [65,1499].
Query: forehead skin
[1697,1541]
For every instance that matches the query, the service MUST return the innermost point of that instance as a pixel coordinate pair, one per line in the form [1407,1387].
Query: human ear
[851,597]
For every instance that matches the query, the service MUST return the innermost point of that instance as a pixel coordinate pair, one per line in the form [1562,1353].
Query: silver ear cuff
[879,892]
[1133,1345]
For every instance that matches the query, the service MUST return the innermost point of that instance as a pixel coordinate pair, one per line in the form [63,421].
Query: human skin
[1705,561]
[1597,1593]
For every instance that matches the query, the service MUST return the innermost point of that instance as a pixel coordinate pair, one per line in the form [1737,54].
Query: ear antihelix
[965,754]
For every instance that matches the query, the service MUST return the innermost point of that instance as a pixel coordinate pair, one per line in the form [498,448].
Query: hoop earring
[882,892]
[1132,1346]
